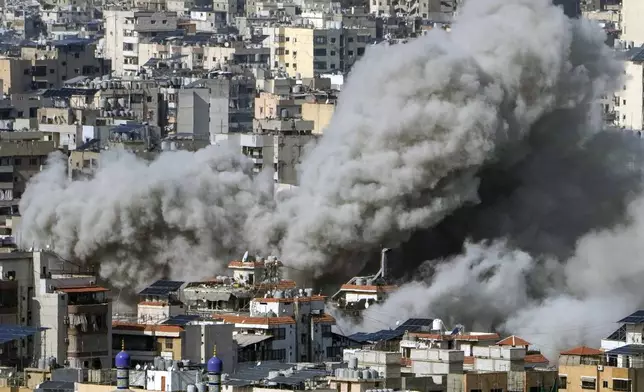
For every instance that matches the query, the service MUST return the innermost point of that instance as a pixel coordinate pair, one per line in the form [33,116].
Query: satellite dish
[137,367]
[245,257]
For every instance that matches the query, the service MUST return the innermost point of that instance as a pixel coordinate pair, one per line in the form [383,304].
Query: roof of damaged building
[250,320]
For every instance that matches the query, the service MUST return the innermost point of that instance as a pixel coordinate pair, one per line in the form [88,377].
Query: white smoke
[177,215]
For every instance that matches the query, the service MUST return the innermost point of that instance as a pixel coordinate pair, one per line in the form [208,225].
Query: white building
[124,29]
[295,322]
[632,17]
[53,294]
[282,151]
[629,101]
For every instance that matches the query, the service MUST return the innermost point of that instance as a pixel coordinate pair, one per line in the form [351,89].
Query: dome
[122,360]
[214,365]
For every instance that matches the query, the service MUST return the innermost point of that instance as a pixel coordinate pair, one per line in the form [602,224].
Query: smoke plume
[488,133]
[175,216]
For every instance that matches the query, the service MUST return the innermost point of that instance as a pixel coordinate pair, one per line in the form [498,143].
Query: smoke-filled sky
[489,131]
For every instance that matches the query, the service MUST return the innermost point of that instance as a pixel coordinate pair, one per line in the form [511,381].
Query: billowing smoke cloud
[417,122]
[425,135]
[176,216]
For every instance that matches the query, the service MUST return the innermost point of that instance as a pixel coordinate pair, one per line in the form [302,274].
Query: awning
[247,340]
[10,333]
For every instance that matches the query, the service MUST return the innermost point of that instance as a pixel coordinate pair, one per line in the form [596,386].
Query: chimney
[383,263]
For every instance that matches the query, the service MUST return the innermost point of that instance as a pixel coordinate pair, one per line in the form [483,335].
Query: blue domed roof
[214,365]
[122,360]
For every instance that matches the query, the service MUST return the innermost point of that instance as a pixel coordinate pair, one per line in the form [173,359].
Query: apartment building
[176,339]
[294,321]
[308,52]
[617,366]
[628,102]
[125,29]
[54,62]
[22,155]
[226,98]
[15,74]
[63,298]
[199,52]
[413,8]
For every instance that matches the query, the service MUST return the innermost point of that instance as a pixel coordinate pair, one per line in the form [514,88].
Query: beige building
[318,112]
[308,52]
[22,155]
[15,74]
[57,61]
[124,30]
[585,369]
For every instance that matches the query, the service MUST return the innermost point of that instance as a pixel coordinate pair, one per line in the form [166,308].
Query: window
[360,51]
[332,66]
[624,102]
[333,53]
[319,52]
[319,65]
[17,161]
[33,161]
[77,55]
[320,40]
[168,343]
[621,385]
[303,338]
[278,333]
[351,53]
[51,70]
[350,39]
[563,382]
[26,71]
[476,390]
[605,384]
[588,383]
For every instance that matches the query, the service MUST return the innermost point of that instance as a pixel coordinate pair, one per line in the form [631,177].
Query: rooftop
[513,341]
[237,319]
[583,351]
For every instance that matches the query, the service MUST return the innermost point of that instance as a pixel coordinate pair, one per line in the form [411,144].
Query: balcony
[88,308]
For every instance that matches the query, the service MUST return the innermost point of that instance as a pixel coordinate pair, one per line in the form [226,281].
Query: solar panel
[10,333]
[181,320]
[635,318]
[415,325]
[630,349]
[162,288]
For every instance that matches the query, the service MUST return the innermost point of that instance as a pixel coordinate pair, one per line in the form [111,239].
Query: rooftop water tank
[366,374]
[353,363]
[201,387]
[308,292]
[360,282]
[437,325]
[41,363]
[374,373]
[191,388]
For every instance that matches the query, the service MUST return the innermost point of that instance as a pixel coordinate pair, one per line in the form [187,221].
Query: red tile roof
[234,319]
[536,358]
[583,351]
[325,318]
[146,327]
[513,341]
[87,289]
